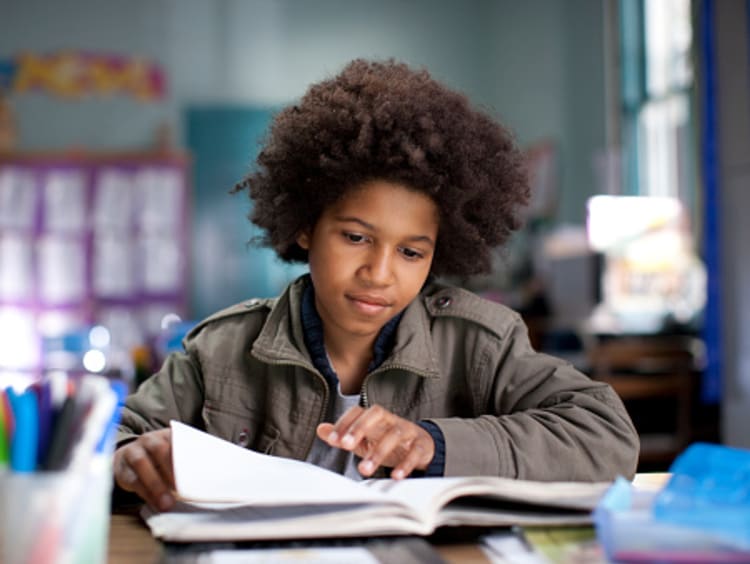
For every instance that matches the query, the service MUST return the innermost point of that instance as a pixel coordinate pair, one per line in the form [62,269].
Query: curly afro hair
[384,120]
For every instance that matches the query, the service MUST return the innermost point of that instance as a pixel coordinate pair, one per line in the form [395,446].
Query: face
[370,254]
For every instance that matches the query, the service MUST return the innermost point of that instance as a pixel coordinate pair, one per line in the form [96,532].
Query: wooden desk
[131,541]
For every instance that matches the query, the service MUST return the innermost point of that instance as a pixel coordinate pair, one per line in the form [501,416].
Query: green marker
[4,438]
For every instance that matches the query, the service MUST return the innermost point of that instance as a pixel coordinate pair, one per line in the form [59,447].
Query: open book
[229,493]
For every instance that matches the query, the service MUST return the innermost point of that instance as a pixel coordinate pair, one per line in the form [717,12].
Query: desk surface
[131,541]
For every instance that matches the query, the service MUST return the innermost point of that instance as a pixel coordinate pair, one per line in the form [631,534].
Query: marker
[60,441]
[44,402]
[59,389]
[23,448]
[121,391]
[10,425]
[4,437]
[102,405]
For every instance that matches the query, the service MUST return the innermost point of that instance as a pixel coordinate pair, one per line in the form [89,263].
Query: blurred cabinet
[656,378]
[88,239]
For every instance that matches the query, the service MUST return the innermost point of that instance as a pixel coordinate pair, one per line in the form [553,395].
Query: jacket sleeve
[175,392]
[542,420]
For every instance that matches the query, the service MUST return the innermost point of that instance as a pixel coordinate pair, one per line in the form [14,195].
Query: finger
[419,455]
[342,426]
[125,476]
[324,430]
[159,448]
[150,484]
[389,448]
[371,425]
[415,457]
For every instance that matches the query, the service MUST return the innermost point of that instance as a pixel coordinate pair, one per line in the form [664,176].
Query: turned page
[211,470]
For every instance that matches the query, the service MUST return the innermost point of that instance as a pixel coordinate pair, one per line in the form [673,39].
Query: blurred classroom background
[124,126]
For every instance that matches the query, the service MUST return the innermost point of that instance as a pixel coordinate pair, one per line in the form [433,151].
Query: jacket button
[242,439]
[443,302]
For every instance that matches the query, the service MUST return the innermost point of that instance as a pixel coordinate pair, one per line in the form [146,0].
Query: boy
[380,178]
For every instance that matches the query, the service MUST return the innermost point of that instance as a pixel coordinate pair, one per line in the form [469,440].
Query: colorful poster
[76,75]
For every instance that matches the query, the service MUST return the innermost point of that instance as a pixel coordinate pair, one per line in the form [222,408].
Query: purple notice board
[89,239]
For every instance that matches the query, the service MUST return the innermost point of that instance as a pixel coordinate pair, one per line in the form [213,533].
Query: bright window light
[99,337]
[614,222]
[94,361]
[20,344]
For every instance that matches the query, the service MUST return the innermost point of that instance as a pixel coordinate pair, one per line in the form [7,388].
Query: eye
[355,237]
[411,254]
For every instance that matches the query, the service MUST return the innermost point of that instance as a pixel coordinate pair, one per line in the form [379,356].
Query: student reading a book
[381,179]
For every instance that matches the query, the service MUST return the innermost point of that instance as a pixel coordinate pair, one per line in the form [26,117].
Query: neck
[349,358]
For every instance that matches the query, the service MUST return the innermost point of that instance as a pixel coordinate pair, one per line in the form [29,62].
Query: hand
[380,438]
[144,466]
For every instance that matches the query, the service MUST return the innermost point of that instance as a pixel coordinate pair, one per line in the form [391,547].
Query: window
[656,87]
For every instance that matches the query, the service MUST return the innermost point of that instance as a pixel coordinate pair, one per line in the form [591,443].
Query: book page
[210,469]
[310,555]
[542,502]
[194,522]
[230,492]
[439,491]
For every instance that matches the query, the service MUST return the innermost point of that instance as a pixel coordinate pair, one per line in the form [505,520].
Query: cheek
[414,278]
[328,266]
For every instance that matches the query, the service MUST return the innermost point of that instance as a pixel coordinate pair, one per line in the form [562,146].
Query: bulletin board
[89,239]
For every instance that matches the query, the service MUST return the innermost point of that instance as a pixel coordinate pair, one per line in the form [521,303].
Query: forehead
[387,201]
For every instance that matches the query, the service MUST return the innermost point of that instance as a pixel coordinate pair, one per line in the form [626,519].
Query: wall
[546,79]
[536,64]
[125,28]
[732,38]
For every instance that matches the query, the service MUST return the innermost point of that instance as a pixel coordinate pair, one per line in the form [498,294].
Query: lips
[368,304]
[369,299]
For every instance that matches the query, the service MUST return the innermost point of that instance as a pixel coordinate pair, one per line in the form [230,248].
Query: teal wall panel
[224,142]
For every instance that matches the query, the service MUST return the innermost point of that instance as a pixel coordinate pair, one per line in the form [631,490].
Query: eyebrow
[413,238]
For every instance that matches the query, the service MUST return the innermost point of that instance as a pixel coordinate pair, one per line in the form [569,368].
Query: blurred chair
[655,377]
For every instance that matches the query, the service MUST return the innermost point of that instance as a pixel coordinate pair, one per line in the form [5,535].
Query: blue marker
[121,390]
[25,441]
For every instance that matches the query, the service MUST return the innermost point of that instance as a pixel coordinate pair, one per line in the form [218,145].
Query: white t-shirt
[332,458]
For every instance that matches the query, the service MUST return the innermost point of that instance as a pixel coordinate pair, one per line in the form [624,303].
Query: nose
[378,268]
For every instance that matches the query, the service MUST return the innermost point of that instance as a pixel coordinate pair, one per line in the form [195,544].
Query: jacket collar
[281,340]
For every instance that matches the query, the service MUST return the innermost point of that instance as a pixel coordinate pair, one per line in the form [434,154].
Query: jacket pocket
[243,430]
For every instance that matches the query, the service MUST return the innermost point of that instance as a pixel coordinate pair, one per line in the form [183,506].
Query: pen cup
[57,517]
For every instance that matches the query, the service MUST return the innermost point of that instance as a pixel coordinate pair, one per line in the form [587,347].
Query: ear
[303,240]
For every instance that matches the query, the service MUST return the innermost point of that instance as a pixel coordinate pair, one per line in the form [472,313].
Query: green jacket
[460,361]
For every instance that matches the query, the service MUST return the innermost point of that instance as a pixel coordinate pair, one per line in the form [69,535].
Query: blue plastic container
[709,490]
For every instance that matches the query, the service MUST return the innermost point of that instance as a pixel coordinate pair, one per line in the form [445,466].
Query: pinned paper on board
[16,267]
[161,199]
[18,199]
[65,201]
[162,264]
[114,266]
[83,237]
[113,200]
[62,271]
